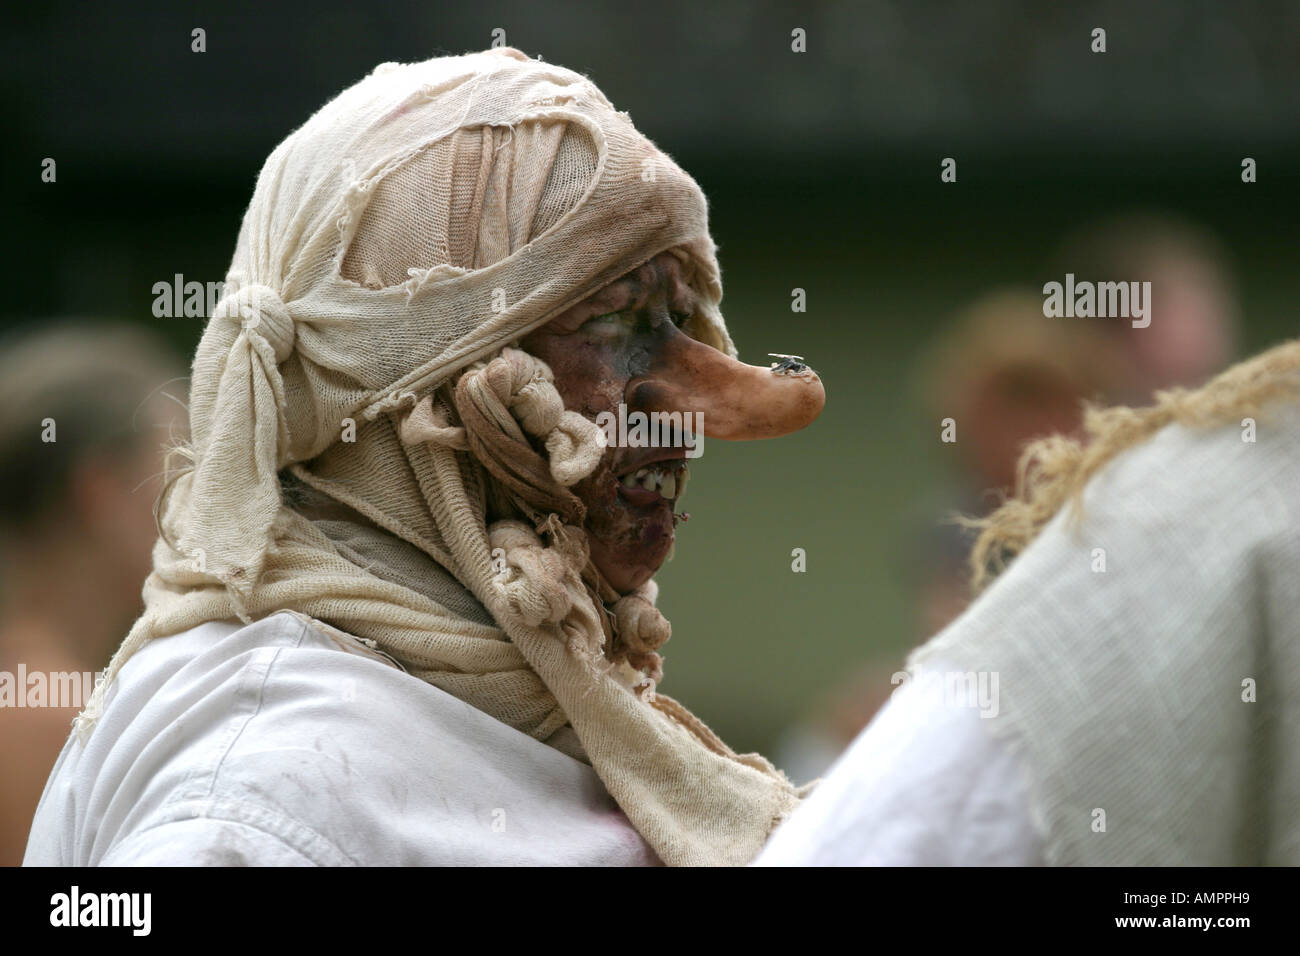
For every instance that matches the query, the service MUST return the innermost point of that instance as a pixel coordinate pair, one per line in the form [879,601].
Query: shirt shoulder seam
[273,824]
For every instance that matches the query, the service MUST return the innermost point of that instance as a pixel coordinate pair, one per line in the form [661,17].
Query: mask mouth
[661,482]
[733,401]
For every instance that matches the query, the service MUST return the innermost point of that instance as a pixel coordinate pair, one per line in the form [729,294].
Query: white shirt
[277,743]
[925,784]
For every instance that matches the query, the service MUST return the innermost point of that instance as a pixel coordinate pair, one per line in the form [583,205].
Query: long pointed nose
[736,402]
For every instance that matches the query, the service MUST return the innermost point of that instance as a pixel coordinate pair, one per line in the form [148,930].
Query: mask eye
[680,318]
[610,325]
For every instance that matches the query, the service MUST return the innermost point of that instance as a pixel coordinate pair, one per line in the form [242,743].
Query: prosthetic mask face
[626,345]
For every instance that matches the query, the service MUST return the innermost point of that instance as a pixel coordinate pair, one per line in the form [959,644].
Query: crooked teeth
[670,483]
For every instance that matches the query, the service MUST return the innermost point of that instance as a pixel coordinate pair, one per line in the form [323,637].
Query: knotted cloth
[397,245]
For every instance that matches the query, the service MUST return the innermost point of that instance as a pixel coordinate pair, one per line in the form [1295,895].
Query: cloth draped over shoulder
[1144,652]
[412,230]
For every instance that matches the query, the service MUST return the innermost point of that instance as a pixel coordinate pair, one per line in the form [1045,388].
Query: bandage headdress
[396,245]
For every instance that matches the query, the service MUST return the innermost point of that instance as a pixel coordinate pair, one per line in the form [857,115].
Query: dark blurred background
[822,170]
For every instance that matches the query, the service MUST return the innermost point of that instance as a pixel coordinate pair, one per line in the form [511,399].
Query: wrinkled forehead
[669,273]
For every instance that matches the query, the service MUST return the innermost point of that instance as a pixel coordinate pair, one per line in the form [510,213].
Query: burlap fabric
[395,246]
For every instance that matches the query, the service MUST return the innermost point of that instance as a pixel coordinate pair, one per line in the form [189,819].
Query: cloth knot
[642,630]
[641,625]
[541,587]
[524,387]
[261,312]
[428,423]
[536,581]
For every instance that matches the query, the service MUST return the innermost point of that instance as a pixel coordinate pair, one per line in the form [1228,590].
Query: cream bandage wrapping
[410,231]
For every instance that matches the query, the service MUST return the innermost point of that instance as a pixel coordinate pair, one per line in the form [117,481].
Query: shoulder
[1240,471]
[1194,515]
[172,718]
[289,732]
[925,784]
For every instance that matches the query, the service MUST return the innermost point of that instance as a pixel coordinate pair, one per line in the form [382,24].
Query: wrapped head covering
[397,245]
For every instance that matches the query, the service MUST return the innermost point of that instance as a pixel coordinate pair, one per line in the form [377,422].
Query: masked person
[402,609]
[1128,690]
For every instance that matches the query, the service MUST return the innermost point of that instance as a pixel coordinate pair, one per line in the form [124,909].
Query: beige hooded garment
[416,226]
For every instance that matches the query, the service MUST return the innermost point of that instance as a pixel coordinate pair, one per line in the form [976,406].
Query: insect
[789,364]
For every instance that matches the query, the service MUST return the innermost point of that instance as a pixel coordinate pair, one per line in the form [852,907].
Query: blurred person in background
[83,421]
[1194,311]
[1005,375]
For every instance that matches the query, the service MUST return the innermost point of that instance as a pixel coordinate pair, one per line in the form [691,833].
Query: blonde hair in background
[1053,471]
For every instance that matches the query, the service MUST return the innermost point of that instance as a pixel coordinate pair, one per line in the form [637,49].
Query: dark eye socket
[610,325]
[628,319]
